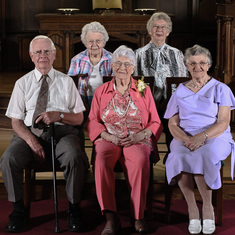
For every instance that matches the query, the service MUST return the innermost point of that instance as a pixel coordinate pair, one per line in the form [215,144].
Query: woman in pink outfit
[124,126]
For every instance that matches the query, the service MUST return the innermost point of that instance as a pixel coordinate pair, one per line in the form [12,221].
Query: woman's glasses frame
[97,42]
[201,64]
[126,64]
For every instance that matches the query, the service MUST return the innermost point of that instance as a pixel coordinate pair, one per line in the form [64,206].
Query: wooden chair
[217,197]
[30,171]
[150,82]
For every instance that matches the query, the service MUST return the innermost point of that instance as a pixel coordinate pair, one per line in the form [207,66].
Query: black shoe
[75,223]
[17,219]
[140,226]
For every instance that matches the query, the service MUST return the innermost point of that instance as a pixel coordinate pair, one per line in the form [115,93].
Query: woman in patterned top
[124,126]
[160,60]
[95,61]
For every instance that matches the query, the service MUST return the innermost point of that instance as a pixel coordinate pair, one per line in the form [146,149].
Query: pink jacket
[146,105]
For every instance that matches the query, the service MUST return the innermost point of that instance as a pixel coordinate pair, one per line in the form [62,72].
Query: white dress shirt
[63,95]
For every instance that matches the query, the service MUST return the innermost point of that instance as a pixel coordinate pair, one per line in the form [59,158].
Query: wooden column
[217,70]
[3,32]
[67,50]
[143,38]
[225,66]
[227,70]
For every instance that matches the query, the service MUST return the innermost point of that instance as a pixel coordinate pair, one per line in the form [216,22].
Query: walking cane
[52,132]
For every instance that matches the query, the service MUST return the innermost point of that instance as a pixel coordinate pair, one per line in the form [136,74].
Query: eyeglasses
[126,64]
[41,52]
[162,27]
[201,64]
[97,42]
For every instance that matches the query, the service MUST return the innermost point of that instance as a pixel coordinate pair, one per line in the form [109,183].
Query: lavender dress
[198,112]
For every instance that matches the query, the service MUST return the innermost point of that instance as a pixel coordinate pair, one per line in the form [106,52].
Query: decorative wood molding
[126,27]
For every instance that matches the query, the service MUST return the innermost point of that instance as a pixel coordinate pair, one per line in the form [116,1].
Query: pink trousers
[136,167]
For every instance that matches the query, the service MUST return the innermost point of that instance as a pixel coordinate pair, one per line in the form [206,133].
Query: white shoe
[194,226]
[208,226]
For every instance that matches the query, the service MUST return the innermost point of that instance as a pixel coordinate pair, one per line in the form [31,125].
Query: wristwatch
[61,116]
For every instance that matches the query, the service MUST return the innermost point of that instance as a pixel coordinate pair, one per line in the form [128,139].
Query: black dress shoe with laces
[75,223]
[17,219]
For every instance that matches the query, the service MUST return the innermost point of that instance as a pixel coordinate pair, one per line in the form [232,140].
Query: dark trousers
[67,151]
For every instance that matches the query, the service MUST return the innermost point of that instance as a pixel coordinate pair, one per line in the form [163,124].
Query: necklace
[196,86]
[124,113]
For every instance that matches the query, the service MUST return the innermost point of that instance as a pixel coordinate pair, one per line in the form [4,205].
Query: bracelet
[207,136]
[145,135]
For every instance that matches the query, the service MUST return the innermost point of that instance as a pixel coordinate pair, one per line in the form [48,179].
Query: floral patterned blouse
[121,117]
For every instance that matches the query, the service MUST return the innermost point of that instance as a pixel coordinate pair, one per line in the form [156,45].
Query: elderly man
[52,97]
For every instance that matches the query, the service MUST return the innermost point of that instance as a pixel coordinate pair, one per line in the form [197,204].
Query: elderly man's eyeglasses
[201,64]
[162,27]
[97,42]
[42,52]
[126,64]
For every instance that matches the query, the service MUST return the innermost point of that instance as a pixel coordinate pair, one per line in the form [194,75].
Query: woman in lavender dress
[199,117]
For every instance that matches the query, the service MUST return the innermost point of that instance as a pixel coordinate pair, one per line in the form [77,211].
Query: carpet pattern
[42,219]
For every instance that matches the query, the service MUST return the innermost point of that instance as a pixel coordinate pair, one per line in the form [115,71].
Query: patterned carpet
[43,219]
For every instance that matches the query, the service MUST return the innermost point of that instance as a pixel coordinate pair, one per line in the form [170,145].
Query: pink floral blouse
[121,117]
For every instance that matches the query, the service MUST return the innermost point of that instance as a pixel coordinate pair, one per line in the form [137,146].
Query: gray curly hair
[126,52]
[160,16]
[197,50]
[94,27]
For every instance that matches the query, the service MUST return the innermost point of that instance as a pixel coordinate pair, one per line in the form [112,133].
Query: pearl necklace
[125,112]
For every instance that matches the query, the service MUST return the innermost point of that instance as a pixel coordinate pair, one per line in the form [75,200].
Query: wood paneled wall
[192,23]
[2,32]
